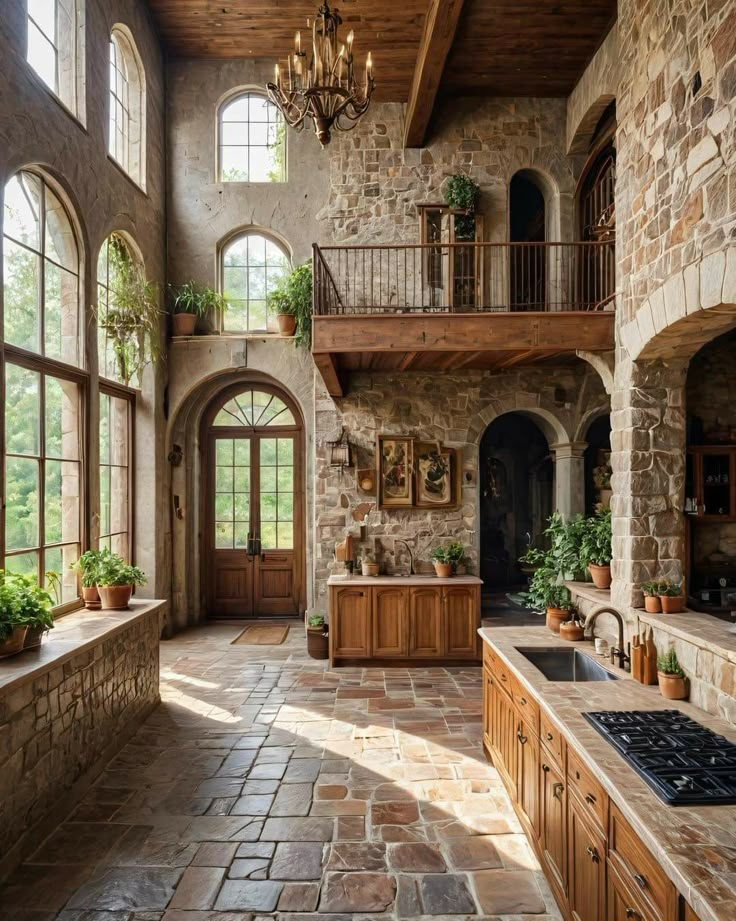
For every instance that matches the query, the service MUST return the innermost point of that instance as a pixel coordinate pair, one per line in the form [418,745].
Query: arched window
[53,50]
[252,266]
[127,140]
[44,389]
[251,140]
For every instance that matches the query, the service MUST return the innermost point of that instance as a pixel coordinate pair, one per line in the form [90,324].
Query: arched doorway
[253,510]
[528,225]
[597,461]
[516,480]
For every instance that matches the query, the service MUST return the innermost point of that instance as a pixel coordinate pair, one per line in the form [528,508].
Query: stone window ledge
[694,627]
[72,635]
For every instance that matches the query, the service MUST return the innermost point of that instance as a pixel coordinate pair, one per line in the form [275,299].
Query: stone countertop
[427,579]
[72,634]
[695,845]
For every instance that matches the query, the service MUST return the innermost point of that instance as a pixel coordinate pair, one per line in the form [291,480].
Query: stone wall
[58,726]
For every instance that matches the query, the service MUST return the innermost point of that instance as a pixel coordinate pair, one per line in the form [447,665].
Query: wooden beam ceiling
[439,32]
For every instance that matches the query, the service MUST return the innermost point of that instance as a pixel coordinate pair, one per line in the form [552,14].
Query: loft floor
[265,784]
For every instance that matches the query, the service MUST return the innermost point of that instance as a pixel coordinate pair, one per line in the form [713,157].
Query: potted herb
[279,303]
[34,604]
[116,580]
[317,637]
[291,301]
[546,593]
[671,597]
[652,603]
[192,302]
[87,566]
[12,628]
[672,680]
[595,549]
[446,558]
[455,554]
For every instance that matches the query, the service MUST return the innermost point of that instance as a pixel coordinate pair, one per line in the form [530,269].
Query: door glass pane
[277,493]
[232,493]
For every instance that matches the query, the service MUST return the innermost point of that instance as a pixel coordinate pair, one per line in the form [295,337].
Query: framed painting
[395,461]
[436,475]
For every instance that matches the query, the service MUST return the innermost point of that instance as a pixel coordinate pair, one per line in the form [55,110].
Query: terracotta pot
[91,598]
[601,575]
[115,597]
[652,604]
[443,570]
[571,631]
[369,569]
[672,687]
[287,324]
[318,643]
[184,323]
[14,643]
[672,605]
[34,637]
[556,617]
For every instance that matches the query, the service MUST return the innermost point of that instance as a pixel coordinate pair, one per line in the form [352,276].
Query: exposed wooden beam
[327,367]
[516,359]
[406,361]
[439,33]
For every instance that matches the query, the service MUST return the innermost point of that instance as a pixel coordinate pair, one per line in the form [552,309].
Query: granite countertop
[422,579]
[695,845]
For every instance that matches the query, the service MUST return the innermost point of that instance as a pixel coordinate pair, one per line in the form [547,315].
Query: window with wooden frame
[252,265]
[127,117]
[54,50]
[251,140]
[45,390]
[117,409]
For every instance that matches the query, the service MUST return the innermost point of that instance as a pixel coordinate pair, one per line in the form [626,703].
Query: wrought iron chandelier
[325,88]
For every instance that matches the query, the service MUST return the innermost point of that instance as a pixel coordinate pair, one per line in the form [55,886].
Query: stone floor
[267,786]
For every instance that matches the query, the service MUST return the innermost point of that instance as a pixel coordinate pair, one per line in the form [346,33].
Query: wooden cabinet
[527,775]
[350,630]
[488,695]
[461,626]
[639,870]
[425,622]
[504,739]
[553,825]
[389,622]
[623,905]
[586,865]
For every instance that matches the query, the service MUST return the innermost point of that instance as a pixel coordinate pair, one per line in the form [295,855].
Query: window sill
[126,174]
[72,634]
[229,335]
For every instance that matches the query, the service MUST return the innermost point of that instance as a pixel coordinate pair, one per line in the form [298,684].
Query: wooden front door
[253,562]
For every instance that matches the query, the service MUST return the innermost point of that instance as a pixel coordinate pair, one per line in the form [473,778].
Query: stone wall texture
[59,726]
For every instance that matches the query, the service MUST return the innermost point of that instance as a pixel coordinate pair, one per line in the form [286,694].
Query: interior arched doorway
[516,475]
[597,462]
[527,225]
[253,517]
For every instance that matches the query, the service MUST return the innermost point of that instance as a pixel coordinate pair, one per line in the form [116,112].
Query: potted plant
[546,593]
[279,302]
[291,301]
[565,539]
[34,604]
[368,565]
[87,566]
[446,558]
[672,680]
[595,548]
[12,628]
[116,580]
[652,603]
[192,302]
[671,597]
[461,193]
[572,629]
[455,554]
[317,636]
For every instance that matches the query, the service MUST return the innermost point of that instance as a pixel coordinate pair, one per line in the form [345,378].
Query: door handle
[557,791]
[521,737]
[641,881]
[593,854]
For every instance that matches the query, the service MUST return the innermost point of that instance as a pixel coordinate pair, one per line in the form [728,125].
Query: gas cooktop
[683,762]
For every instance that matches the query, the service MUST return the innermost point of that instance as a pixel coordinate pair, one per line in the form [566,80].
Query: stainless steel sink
[565,664]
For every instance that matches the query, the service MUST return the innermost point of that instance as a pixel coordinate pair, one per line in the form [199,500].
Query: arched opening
[253,519]
[127,100]
[527,225]
[516,477]
[253,262]
[251,138]
[597,463]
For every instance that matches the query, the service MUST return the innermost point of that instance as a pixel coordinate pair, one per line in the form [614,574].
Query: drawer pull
[641,880]
[632,913]
[503,677]
[523,701]
[549,737]
[590,799]
[545,768]
[521,737]
[593,853]
[557,790]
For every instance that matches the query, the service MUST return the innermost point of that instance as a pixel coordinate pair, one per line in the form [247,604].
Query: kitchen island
[400,620]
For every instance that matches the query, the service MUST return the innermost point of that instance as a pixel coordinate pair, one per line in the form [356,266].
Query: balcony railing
[464,278]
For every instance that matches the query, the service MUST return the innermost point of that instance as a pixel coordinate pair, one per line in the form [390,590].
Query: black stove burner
[683,762]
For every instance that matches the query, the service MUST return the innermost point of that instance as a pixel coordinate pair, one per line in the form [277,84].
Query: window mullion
[42,482]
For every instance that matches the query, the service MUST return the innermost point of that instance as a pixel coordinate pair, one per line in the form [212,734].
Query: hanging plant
[461,194]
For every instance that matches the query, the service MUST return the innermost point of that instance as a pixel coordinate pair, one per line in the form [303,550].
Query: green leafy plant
[545,586]
[293,296]
[23,603]
[316,620]
[452,553]
[669,664]
[113,570]
[652,588]
[461,193]
[10,618]
[566,540]
[596,538]
[670,589]
[197,299]
[87,566]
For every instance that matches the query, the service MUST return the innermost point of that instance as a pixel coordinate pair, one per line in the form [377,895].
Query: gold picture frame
[395,471]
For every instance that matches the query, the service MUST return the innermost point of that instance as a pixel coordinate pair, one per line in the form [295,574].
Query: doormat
[262,635]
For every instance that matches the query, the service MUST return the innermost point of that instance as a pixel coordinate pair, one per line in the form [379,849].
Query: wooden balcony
[461,306]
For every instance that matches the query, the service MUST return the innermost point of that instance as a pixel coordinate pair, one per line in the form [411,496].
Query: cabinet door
[425,622]
[553,821]
[350,623]
[622,906]
[389,627]
[586,868]
[506,743]
[461,618]
[527,774]
[489,691]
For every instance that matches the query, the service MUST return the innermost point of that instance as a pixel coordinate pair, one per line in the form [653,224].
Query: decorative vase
[601,575]
[556,617]
[115,597]
[33,637]
[672,605]
[91,598]
[369,569]
[184,323]
[318,643]
[287,324]
[13,644]
[443,570]
[652,604]
[672,687]
[572,631]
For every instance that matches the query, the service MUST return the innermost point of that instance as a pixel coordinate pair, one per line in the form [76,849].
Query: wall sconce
[341,452]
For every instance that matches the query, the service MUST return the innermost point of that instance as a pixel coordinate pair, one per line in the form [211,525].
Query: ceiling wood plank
[440,24]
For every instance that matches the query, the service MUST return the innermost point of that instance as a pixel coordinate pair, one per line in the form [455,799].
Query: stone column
[570,478]
[648,458]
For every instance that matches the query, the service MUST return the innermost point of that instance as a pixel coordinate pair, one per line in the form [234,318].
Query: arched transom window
[254,408]
[252,266]
[127,124]
[252,140]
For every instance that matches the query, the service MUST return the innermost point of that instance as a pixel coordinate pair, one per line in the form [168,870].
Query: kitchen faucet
[619,652]
[399,540]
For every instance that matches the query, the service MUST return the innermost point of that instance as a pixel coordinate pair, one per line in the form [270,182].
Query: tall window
[43,386]
[252,266]
[113,267]
[252,140]
[53,52]
[116,419]
[127,127]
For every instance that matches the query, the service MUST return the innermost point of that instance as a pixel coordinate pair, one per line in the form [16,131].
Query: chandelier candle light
[324,89]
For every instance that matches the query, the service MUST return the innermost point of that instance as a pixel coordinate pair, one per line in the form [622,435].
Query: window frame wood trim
[121,392]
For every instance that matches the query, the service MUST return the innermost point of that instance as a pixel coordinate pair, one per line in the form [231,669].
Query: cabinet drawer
[552,740]
[525,704]
[489,657]
[588,790]
[639,869]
